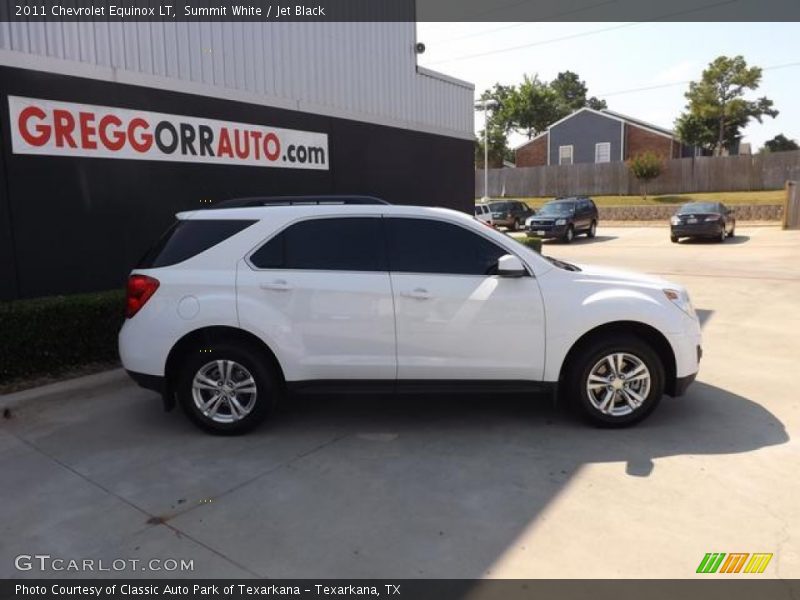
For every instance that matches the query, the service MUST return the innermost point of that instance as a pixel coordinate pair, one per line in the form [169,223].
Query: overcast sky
[617,59]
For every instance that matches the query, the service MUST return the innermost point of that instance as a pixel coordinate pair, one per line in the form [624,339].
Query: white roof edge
[643,124]
[447,78]
[610,114]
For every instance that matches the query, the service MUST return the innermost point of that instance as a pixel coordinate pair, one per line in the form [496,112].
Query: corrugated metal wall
[365,71]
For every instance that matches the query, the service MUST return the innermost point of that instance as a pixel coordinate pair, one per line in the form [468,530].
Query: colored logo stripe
[758,562]
[734,562]
[710,562]
[713,562]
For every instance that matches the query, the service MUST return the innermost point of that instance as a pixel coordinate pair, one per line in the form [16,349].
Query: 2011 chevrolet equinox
[239,304]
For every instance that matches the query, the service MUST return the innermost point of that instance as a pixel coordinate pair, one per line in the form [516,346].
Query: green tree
[534,105]
[571,93]
[717,110]
[645,167]
[780,143]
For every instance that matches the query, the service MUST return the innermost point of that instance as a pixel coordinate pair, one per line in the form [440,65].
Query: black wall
[72,225]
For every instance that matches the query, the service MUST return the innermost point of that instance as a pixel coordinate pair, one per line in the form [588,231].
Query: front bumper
[546,231]
[710,229]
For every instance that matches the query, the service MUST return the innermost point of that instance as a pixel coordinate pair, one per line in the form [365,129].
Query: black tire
[733,231]
[722,235]
[515,225]
[569,235]
[577,373]
[592,230]
[268,386]
[673,239]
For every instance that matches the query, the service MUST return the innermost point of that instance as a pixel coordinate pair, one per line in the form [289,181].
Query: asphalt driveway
[444,486]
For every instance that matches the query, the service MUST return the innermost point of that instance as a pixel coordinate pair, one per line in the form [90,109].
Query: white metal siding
[364,71]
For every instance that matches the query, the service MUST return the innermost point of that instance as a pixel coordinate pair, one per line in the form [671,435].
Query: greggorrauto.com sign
[53,128]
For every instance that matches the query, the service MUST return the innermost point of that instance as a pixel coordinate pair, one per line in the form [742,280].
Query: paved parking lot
[446,486]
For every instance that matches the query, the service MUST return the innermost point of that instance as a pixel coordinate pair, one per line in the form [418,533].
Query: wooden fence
[686,175]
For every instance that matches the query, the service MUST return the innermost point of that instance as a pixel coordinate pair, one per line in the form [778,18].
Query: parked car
[702,220]
[238,306]
[564,218]
[510,213]
[484,214]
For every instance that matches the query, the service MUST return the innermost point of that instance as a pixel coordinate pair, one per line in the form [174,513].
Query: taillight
[140,288]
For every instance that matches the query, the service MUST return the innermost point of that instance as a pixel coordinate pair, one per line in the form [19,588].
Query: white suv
[239,304]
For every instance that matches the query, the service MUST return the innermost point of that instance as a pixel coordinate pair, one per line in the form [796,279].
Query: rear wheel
[733,231]
[592,230]
[616,381]
[227,389]
[569,234]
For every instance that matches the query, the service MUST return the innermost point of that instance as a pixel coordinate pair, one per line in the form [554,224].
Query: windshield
[698,207]
[556,208]
[497,206]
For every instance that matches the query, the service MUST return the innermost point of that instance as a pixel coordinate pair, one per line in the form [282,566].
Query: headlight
[712,218]
[561,222]
[675,221]
[681,300]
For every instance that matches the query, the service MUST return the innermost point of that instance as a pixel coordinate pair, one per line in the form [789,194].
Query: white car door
[454,318]
[318,293]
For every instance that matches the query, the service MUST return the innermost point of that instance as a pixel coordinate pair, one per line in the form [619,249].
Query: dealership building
[110,128]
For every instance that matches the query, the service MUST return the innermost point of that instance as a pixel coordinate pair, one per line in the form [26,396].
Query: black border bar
[399,10]
[715,587]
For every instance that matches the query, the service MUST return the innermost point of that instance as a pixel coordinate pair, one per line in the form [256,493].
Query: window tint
[424,246]
[347,244]
[189,238]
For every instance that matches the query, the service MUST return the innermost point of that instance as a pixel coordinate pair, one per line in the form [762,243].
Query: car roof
[281,212]
[335,199]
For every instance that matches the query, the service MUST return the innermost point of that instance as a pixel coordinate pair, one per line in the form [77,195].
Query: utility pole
[485,105]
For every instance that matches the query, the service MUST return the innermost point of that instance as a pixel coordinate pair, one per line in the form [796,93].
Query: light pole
[485,105]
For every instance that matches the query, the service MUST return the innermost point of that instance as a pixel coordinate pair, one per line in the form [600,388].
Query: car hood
[623,276]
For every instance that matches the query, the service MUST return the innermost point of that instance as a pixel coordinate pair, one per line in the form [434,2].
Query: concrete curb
[70,386]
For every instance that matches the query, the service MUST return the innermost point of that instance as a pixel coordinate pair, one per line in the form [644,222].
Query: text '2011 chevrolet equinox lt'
[239,304]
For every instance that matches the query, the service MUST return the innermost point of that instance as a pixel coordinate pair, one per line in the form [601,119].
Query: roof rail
[297,200]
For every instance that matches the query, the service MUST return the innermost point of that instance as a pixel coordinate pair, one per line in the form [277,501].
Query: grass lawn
[768,197]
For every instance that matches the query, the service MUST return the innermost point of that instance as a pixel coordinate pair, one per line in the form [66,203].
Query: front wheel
[569,235]
[227,388]
[615,382]
[673,239]
[515,225]
[722,235]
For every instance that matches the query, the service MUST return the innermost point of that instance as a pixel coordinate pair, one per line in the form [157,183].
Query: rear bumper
[150,382]
[711,229]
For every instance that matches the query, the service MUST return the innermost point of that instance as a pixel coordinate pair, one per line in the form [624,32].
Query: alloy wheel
[618,384]
[224,391]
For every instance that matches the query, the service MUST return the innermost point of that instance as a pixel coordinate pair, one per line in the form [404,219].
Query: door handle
[278,285]
[417,294]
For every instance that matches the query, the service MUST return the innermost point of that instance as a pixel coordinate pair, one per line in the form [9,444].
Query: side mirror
[509,265]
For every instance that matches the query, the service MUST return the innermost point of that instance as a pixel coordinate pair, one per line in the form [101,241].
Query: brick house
[597,136]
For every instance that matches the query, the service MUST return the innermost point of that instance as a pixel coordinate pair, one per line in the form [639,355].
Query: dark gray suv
[564,218]
[509,213]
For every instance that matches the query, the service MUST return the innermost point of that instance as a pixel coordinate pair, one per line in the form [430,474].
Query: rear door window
[332,244]
[188,238]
